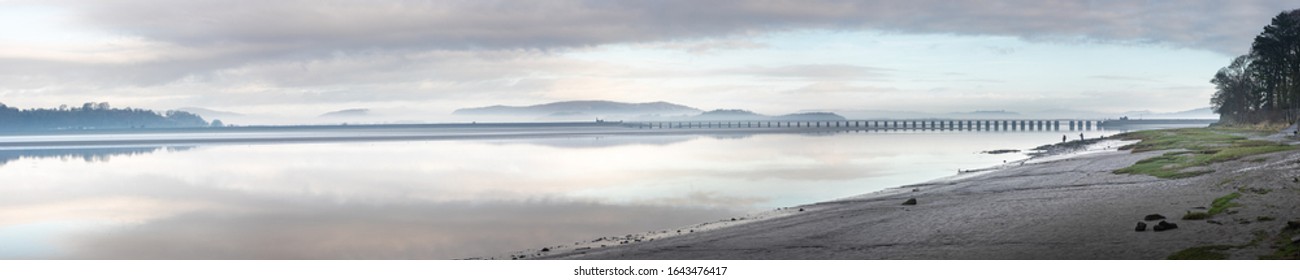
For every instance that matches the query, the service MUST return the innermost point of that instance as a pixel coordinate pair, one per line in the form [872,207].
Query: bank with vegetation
[94,116]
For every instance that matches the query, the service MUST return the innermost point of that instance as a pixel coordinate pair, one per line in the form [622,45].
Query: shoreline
[1064,206]
[1050,152]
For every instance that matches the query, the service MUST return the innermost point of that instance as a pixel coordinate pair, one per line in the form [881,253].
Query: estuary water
[440,198]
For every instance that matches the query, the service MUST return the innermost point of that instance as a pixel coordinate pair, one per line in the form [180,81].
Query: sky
[423,59]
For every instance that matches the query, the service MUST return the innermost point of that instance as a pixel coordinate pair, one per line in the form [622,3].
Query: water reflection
[443,199]
[88,154]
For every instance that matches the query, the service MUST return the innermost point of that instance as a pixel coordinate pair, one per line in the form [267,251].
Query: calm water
[442,199]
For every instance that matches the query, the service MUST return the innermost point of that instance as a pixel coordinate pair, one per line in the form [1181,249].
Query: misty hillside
[729,115]
[811,116]
[1199,113]
[347,113]
[209,113]
[588,108]
[743,115]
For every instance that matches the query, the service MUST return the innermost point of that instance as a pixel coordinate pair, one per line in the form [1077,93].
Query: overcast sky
[304,58]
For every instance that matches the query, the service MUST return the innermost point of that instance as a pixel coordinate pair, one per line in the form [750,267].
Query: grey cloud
[331,51]
[334,25]
[225,34]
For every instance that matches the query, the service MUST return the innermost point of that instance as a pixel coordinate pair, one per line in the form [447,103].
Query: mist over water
[443,199]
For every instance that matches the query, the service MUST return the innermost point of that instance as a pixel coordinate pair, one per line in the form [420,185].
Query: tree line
[1263,85]
[93,115]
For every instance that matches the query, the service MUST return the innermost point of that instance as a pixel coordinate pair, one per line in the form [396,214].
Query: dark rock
[544,249]
[1141,227]
[1214,222]
[1163,226]
[1199,208]
[910,201]
[800,209]
[1153,217]
[1293,225]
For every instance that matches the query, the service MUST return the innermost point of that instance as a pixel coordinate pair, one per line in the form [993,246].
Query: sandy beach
[1070,206]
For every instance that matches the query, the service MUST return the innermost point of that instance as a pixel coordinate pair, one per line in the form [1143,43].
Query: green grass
[1286,250]
[1219,205]
[1203,147]
[1211,252]
[1223,203]
[1183,138]
[1260,191]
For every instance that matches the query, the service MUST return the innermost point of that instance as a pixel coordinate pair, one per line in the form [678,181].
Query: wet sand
[1056,207]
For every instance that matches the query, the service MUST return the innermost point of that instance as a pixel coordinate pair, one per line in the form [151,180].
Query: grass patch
[1259,191]
[1203,146]
[1219,205]
[1286,250]
[1183,138]
[1223,203]
[1264,218]
[1211,252]
[1264,128]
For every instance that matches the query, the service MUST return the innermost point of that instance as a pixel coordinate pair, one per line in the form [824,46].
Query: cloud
[839,87]
[295,26]
[207,52]
[712,46]
[170,40]
[810,71]
[1123,78]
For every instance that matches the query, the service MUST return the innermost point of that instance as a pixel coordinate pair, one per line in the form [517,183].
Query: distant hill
[728,115]
[743,115]
[359,112]
[209,113]
[1198,113]
[987,114]
[810,116]
[588,108]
